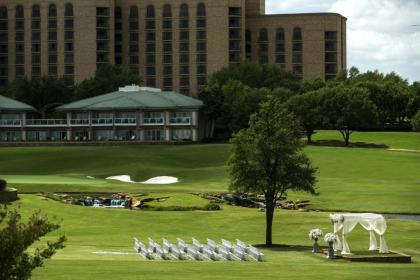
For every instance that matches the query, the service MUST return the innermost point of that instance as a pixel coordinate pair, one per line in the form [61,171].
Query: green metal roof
[134,97]
[8,104]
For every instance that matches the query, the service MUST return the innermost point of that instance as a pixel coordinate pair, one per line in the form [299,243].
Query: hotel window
[235,31]
[69,43]
[280,47]
[297,52]
[4,46]
[102,36]
[154,135]
[52,40]
[331,68]
[181,134]
[150,41]
[167,47]
[150,11]
[201,40]
[20,41]
[263,46]
[184,42]
[248,44]
[133,40]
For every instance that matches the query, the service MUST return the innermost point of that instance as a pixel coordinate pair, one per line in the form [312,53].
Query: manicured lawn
[394,140]
[352,179]
[91,230]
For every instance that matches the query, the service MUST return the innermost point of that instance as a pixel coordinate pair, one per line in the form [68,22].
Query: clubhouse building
[132,113]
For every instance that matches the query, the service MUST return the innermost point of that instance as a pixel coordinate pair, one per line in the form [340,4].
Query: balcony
[79,122]
[181,121]
[153,121]
[46,122]
[103,122]
[125,121]
[11,123]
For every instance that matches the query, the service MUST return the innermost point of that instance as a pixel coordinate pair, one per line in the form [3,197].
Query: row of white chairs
[197,250]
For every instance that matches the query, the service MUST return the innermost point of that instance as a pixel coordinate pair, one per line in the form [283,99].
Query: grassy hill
[357,179]
[354,179]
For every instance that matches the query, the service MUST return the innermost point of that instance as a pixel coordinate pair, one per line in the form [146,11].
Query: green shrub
[3,185]
[415,122]
[212,207]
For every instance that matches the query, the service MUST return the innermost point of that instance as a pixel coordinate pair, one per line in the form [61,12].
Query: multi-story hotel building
[171,44]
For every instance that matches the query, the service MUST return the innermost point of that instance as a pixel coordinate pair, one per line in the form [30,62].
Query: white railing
[125,121]
[79,122]
[180,121]
[46,122]
[153,121]
[102,122]
[11,123]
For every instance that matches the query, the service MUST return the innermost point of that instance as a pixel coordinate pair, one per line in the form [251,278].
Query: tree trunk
[213,124]
[269,213]
[347,139]
[309,136]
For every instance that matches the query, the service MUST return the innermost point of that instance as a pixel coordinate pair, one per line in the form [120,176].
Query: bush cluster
[415,122]
[208,207]
[3,185]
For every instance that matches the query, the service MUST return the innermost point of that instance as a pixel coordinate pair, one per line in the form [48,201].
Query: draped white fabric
[374,223]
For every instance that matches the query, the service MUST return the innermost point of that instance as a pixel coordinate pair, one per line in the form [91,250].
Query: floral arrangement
[335,218]
[315,234]
[330,237]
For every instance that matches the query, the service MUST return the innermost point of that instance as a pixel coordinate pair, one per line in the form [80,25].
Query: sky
[381,34]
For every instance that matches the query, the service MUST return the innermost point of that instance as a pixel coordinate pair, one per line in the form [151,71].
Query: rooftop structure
[132,113]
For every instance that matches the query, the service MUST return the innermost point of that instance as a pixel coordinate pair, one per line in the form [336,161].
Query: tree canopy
[16,237]
[347,109]
[234,93]
[267,158]
[107,79]
[43,93]
[307,108]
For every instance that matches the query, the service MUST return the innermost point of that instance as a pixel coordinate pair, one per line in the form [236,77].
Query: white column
[195,118]
[195,134]
[139,123]
[23,128]
[90,132]
[167,134]
[69,129]
[141,135]
[167,118]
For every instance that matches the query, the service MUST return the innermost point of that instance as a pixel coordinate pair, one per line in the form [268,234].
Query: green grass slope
[356,179]
[90,230]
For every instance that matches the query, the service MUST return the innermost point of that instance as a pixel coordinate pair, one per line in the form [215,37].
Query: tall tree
[213,98]
[256,75]
[414,101]
[348,109]
[240,102]
[415,122]
[307,109]
[267,159]
[43,93]
[107,79]
[16,237]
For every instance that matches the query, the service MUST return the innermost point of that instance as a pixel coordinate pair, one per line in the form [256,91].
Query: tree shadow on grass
[338,143]
[284,248]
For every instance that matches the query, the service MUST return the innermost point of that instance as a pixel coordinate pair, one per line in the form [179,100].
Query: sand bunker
[161,180]
[121,178]
[90,177]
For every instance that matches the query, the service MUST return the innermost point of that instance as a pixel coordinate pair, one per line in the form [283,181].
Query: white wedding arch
[345,222]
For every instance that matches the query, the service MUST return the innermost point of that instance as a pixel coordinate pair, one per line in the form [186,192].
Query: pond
[403,217]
